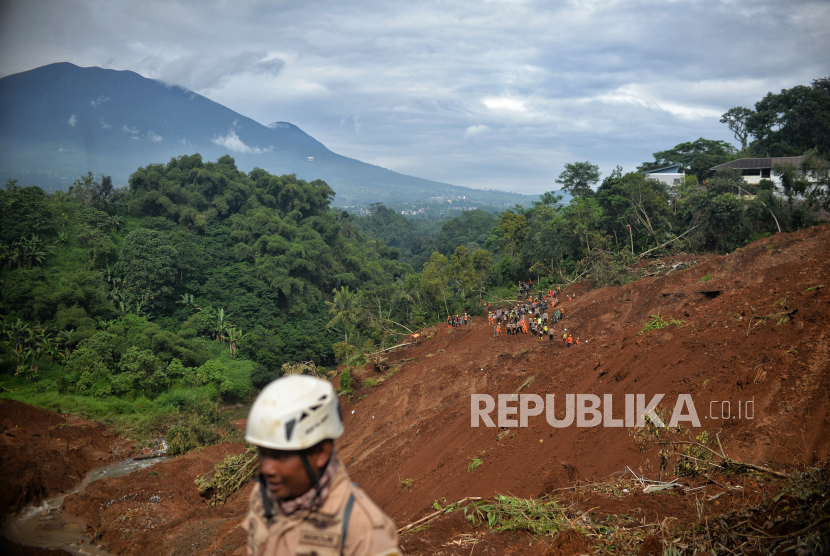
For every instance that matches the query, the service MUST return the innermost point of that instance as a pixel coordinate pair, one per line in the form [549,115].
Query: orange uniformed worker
[570,340]
[303,502]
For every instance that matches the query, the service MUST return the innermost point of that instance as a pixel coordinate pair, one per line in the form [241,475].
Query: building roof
[673,169]
[760,163]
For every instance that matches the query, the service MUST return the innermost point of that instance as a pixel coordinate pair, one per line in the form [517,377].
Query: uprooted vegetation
[792,516]
[228,476]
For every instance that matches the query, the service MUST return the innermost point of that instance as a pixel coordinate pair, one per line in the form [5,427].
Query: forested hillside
[200,280]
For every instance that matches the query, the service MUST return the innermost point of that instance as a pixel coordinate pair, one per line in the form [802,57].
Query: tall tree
[435,279]
[345,308]
[793,121]
[735,119]
[149,265]
[577,178]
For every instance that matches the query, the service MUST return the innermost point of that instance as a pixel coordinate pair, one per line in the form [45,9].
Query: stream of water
[44,525]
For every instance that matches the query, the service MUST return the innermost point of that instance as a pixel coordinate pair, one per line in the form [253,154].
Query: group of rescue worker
[459,320]
[531,317]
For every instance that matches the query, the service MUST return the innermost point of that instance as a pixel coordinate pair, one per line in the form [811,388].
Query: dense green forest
[149,306]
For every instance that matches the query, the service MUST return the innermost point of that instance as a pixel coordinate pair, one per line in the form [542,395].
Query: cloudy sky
[498,93]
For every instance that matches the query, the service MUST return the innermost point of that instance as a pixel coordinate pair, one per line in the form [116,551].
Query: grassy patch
[392,372]
[370,382]
[474,464]
[406,483]
[188,417]
[708,277]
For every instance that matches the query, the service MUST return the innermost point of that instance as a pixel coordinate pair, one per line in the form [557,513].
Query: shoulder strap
[347,514]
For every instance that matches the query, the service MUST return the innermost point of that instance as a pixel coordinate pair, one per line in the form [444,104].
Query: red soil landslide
[755,327]
[43,453]
[417,424]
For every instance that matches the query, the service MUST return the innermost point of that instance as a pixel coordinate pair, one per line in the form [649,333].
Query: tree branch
[777,225]
[671,240]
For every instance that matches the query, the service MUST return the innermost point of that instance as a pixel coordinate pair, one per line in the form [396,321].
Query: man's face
[284,472]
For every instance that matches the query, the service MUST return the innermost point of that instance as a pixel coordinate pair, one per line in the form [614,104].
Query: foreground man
[304,503]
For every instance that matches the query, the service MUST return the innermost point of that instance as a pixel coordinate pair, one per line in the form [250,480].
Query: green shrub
[261,376]
[657,321]
[190,433]
[346,382]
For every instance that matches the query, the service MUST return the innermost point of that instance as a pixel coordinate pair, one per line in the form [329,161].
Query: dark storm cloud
[493,94]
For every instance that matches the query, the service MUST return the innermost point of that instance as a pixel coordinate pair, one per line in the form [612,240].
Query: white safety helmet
[293,413]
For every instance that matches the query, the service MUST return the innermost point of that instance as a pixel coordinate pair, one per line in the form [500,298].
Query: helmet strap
[266,502]
[315,477]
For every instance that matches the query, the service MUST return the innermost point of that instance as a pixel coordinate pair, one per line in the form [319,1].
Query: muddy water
[45,526]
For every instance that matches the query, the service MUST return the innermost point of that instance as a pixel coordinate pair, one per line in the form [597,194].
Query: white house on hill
[670,175]
[754,170]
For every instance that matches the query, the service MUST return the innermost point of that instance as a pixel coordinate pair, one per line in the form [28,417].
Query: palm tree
[345,307]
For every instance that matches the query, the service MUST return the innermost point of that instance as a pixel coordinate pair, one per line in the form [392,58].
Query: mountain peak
[59,121]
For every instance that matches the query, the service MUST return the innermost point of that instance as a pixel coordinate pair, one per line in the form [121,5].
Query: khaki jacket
[370,532]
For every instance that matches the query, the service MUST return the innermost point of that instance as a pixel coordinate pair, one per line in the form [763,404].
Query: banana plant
[221,326]
[234,336]
[187,300]
[65,340]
